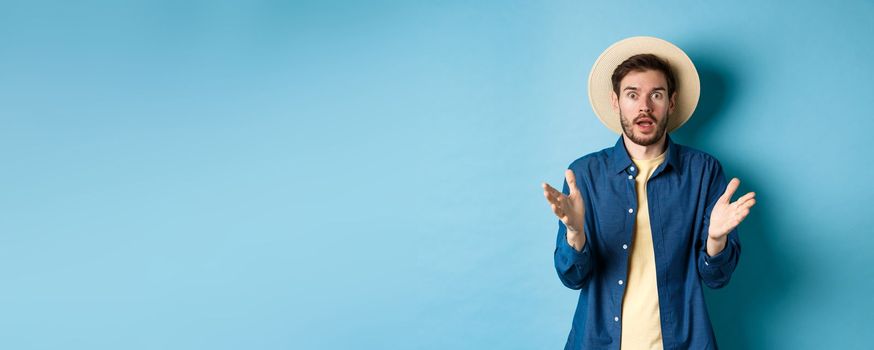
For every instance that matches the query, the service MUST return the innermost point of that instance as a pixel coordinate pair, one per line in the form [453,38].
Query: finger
[742,202]
[571,180]
[552,200]
[729,190]
[565,203]
[742,215]
[552,191]
[746,197]
[550,195]
[738,205]
[555,197]
[739,213]
[557,210]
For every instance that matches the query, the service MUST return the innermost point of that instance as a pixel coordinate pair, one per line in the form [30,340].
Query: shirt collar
[620,160]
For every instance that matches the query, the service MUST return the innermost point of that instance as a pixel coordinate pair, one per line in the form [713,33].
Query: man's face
[644,106]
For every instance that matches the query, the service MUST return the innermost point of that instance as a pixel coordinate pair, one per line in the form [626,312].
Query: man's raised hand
[726,215]
[568,208]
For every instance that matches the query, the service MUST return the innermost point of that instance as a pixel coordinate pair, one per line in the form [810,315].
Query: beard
[643,140]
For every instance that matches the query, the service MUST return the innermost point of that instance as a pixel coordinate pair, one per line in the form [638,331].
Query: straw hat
[601,87]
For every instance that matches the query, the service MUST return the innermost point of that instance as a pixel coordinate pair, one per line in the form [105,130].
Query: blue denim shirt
[681,194]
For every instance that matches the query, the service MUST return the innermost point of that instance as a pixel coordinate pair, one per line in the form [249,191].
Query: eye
[632,95]
[657,95]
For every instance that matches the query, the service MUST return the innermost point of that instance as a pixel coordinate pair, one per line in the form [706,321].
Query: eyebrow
[634,88]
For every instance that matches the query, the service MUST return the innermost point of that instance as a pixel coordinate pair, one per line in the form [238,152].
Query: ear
[673,103]
[614,101]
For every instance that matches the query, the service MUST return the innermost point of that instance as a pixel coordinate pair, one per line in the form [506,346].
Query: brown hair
[640,63]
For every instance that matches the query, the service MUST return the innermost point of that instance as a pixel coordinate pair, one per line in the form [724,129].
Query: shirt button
[620,282]
[630,210]
[632,168]
[625,246]
[630,177]
[616,319]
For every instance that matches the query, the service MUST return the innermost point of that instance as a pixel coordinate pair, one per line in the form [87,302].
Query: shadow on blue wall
[764,274]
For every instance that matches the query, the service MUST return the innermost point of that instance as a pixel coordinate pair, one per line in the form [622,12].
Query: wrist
[572,231]
[716,245]
[575,239]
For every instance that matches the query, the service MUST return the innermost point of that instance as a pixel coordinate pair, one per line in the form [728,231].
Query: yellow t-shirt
[641,322]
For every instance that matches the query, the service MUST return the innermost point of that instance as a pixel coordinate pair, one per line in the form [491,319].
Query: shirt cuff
[720,258]
[570,254]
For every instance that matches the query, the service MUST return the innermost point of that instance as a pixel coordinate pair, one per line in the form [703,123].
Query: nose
[645,105]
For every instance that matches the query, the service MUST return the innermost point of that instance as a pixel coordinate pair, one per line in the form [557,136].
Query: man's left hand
[725,215]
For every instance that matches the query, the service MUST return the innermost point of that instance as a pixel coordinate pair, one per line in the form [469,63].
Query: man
[644,223]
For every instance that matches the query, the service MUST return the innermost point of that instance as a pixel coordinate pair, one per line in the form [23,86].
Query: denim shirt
[681,194]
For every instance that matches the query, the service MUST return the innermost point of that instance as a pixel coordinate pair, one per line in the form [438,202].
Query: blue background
[331,175]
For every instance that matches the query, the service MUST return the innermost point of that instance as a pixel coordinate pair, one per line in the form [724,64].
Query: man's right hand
[569,209]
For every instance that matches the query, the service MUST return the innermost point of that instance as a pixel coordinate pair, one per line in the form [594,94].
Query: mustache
[642,116]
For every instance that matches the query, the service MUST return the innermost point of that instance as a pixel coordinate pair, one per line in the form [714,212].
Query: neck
[645,152]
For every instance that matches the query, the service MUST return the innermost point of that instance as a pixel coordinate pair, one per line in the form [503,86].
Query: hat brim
[601,87]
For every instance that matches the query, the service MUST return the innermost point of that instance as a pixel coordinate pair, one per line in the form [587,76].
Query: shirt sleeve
[573,267]
[716,271]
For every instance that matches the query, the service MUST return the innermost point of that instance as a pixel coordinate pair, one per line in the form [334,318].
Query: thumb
[571,181]
[729,190]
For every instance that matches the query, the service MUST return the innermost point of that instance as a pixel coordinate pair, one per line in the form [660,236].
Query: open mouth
[645,122]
